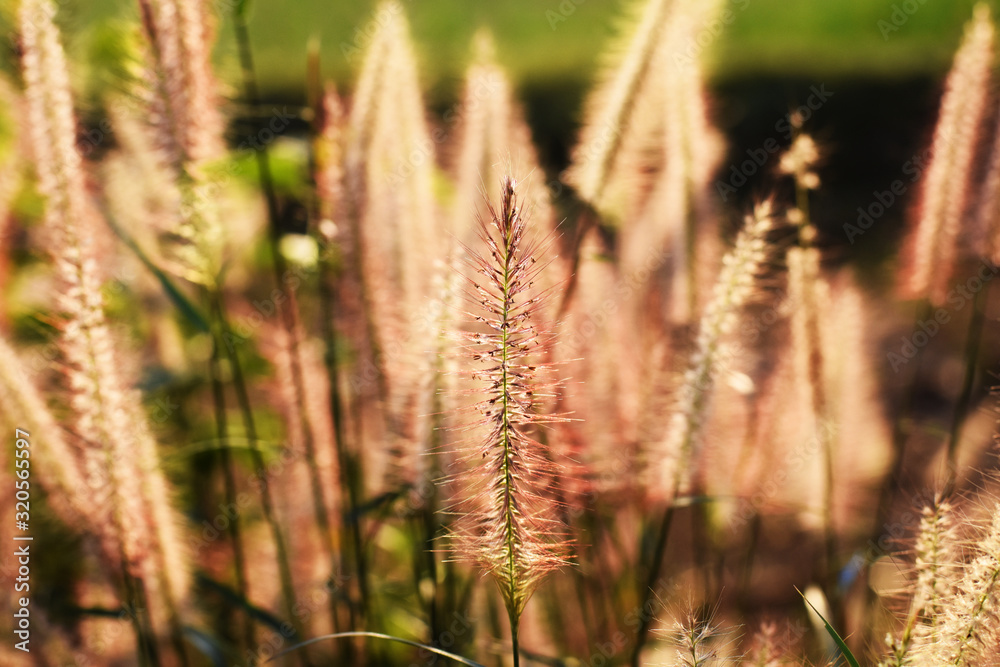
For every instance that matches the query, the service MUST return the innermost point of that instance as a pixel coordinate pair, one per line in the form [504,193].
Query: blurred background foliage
[883,60]
[555,41]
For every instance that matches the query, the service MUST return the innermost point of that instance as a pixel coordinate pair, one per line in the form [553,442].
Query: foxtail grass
[117,453]
[692,151]
[389,156]
[613,104]
[736,285]
[507,523]
[177,91]
[493,139]
[62,478]
[932,246]
[742,266]
[184,105]
[970,613]
[808,289]
[935,567]
[695,641]
[931,249]
[653,93]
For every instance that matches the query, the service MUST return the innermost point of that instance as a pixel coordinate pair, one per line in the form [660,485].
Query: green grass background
[812,38]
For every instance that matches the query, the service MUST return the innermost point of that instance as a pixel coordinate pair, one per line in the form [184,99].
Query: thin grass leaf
[379,635]
[176,296]
[841,644]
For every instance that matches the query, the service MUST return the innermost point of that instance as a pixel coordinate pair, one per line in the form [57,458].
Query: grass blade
[841,644]
[379,635]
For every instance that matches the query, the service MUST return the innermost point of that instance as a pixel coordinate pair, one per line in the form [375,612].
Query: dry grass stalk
[681,205]
[988,211]
[494,140]
[184,107]
[612,106]
[180,112]
[696,643]
[60,475]
[329,160]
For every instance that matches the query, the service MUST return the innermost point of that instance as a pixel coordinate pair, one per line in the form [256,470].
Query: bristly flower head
[506,509]
[737,281]
[932,246]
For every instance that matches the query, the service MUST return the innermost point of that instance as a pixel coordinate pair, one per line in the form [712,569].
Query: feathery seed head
[799,161]
[118,460]
[741,267]
[508,527]
[184,101]
[389,159]
[966,633]
[493,140]
[932,247]
[329,150]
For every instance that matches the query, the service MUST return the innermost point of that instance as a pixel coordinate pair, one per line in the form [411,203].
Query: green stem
[266,500]
[972,346]
[516,648]
[135,603]
[892,483]
[379,635]
[351,475]
[655,567]
[821,412]
[228,467]
[510,543]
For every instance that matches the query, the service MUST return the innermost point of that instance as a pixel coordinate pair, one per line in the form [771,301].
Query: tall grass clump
[677,412]
[506,522]
[116,451]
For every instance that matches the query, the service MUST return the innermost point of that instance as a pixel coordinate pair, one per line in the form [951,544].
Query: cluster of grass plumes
[352,383]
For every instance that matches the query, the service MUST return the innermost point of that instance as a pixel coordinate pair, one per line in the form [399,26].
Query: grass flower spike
[506,527]
[735,286]
[967,634]
[133,509]
[933,242]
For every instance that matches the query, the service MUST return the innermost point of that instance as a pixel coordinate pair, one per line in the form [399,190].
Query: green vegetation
[559,40]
